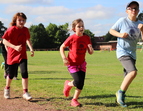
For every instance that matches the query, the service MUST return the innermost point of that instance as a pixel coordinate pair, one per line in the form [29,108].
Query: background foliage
[54,35]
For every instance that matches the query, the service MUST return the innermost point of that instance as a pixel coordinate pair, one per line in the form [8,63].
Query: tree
[51,30]
[2,29]
[56,34]
[109,37]
[89,33]
[39,36]
[62,34]
[140,16]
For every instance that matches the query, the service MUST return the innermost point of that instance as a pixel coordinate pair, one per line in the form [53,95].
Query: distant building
[100,44]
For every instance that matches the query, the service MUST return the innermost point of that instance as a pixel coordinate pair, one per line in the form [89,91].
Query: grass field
[104,76]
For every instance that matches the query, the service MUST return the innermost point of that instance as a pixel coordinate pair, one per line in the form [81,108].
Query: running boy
[78,44]
[128,30]
[15,38]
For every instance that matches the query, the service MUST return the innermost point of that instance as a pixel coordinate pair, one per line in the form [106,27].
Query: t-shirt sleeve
[68,41]
[7,34]
[117,25]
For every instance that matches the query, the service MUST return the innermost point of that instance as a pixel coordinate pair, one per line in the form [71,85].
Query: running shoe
[75,103]
[27,96]
[6,93]
[120,98]
[67,88]
[2,65]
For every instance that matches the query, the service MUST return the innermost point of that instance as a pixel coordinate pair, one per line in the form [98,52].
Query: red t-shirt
[16,36]
[77,48]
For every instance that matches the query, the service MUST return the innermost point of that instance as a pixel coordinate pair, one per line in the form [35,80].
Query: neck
[132,18]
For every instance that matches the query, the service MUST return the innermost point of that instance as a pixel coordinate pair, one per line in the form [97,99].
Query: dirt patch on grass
[19,104]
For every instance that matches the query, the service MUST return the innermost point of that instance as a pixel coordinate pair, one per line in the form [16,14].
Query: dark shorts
[128,64]
[79,78]
[14,68]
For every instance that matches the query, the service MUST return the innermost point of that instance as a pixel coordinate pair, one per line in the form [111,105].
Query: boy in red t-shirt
[78,44]
[15,38]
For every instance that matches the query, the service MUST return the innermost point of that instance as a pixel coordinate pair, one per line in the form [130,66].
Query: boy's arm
[117,34]
[140,26]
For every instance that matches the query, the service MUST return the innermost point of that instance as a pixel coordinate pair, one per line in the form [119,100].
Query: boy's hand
[124,35]
[140,26]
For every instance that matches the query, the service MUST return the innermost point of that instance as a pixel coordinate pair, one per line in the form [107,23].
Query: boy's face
[79,29]
[133,10]
[20,22]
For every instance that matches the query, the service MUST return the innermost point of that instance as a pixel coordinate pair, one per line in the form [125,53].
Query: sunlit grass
[103,78]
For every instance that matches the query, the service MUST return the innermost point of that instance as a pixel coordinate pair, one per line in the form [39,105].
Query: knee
[25,75]
[133,74]
[79,84]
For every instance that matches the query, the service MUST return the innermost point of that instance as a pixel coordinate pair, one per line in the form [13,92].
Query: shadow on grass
[44,100]
[49,78]
[43,72]
[135,104]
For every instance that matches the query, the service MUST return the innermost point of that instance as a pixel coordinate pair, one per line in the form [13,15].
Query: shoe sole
[77,105]
[27,99]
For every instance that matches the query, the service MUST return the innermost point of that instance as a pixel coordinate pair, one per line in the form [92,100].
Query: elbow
[110,31]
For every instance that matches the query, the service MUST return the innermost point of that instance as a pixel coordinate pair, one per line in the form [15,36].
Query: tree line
[54,35]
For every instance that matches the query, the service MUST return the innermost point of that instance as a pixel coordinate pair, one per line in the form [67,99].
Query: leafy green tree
[62,34]
[2,29]
[89,33]
[56,34]
[109,37]
[140,16]
[51,30]
[39,36]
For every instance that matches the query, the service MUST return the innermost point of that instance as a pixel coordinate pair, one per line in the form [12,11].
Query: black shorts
[14,68]
[79,78]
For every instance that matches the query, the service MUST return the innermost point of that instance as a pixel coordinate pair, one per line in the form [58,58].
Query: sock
[25,90]
[7,87]
[122,91]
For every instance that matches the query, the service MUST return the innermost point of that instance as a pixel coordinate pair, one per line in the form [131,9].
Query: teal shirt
[127,46]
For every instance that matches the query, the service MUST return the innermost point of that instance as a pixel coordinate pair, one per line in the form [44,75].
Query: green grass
[103,78]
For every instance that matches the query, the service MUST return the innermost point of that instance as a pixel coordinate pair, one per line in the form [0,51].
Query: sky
[98,15]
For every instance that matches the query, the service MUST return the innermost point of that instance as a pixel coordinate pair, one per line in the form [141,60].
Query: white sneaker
[27,96]
[7,93]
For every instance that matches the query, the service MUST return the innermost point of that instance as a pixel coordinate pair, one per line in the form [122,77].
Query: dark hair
[19,14]
[75,22]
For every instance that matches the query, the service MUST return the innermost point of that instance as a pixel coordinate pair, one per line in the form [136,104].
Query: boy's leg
[127,80]
[130,68]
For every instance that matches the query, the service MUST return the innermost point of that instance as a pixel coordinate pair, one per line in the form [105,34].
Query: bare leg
[76,94]
[25,83]
[8,81]
[127,80]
